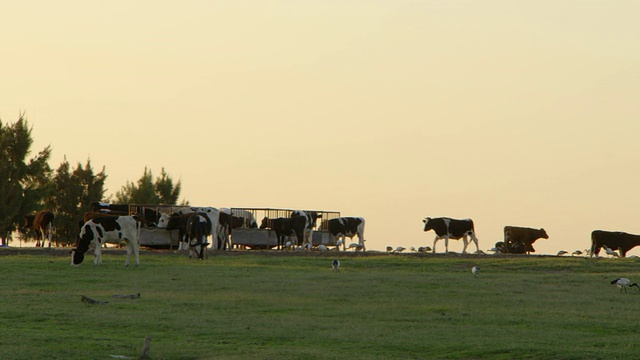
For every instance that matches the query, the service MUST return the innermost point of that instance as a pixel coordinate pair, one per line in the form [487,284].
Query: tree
[146,191]
[72,195]
[22,183]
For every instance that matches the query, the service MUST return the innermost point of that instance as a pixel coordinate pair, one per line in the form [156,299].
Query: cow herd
[118,224]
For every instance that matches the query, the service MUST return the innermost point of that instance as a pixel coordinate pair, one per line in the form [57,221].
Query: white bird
[577,253]
[475,270]
[399,249]
[413,249]
[623,283]
[335,264]
[610,252]
[389,249]
[561,252]
[322,247]
[339,243]
[353,246]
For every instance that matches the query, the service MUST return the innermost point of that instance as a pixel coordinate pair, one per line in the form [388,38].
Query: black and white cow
[519,240]
[285,227]
[347,226]
[447,228]
[614,240]
[113,230]
[198,228]
[310,218]
[227,223]
[42,224]
[211,213]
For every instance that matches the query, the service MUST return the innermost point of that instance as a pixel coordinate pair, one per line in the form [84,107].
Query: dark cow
[42,224]
[227,223]
[101,230]
[179,222]
[347,226]
[284,227]
[519,240]
[310,218]
[447,228]
[614,240]
[211,213]
[198,227]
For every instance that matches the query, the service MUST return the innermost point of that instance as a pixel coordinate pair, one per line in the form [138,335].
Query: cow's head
[266,223]
[163,221]
[426,222]
[543,234]
[77,257]
[28,221]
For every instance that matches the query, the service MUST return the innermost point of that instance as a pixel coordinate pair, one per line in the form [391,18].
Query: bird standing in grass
[624,283]
[610,252]
[335,264]
[475,270]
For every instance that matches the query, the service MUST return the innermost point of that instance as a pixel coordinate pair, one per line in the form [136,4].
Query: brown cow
[42,224]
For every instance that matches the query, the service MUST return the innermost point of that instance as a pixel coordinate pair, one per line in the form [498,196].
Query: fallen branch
[88,300]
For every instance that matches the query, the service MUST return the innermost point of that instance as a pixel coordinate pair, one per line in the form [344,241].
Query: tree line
[30,184]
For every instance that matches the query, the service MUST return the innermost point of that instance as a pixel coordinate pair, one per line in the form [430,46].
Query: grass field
[274,306]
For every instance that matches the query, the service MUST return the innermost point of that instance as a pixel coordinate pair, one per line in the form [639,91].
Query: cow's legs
[97,254]
[466,243]
[475,241]
[129,245]
[434,244]
[446,244]
[136,251]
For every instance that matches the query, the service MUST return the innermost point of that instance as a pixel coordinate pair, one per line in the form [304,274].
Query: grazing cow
[113,230]
[347,226]
[446,228]
[42,224]
[519,240]
[284,227]
[615,240]
[310,218]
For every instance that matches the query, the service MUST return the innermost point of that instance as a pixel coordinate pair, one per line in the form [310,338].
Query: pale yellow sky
[508,112]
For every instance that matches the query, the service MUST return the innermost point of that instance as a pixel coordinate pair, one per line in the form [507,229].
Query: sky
[519,113]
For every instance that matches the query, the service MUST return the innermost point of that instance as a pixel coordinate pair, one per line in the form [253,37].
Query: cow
[198,227]
[227,223]
[347,226]
[179,222]
[519,240]
[42,224]
[615,240]
[310,218]
[447,228]
[211,213]
[249,221]
[284,227]
[113,230]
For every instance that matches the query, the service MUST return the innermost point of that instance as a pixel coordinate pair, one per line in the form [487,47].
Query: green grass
[294,307]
